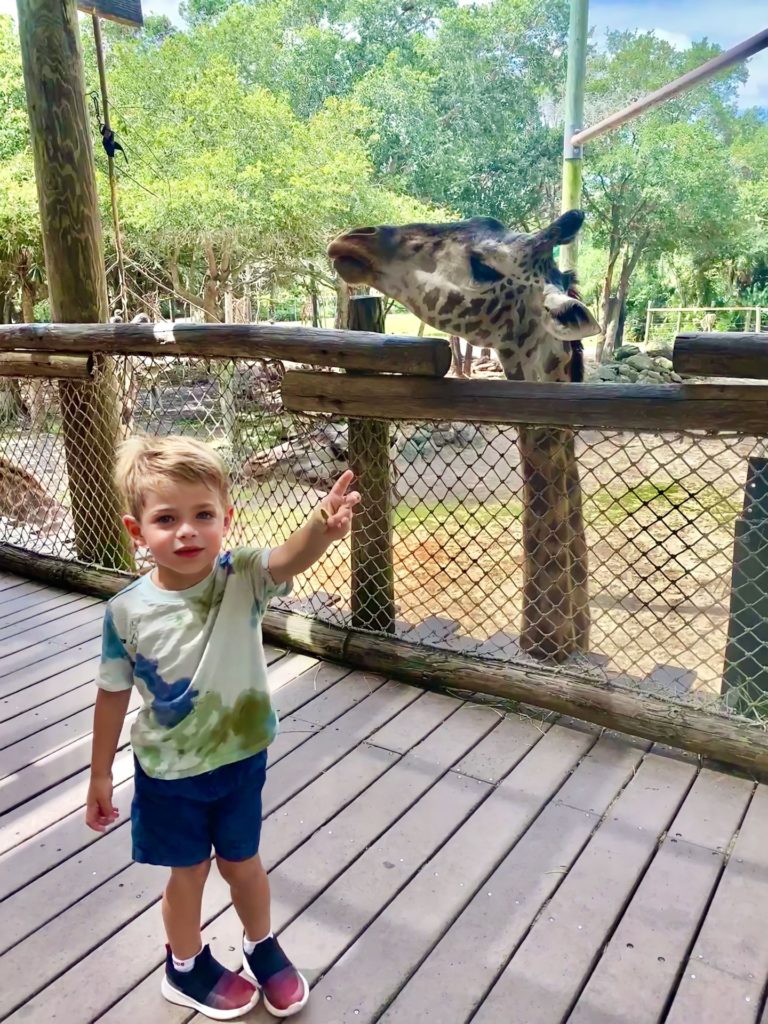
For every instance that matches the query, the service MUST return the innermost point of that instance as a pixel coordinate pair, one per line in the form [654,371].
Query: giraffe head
[477,279]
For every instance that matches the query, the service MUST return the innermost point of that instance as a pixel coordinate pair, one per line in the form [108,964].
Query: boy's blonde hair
[148,463]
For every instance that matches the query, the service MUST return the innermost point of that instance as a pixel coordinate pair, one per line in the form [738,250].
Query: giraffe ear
[567,318]
[559,232]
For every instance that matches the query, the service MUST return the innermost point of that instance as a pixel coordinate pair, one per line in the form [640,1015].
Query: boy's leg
[249,886]
[182,909]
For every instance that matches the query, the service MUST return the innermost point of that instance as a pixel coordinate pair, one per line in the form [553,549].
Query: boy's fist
[100,812]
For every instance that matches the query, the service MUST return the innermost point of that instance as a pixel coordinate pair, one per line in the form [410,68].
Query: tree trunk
[74,257]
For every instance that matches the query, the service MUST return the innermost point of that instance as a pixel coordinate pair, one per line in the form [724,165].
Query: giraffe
[500,289]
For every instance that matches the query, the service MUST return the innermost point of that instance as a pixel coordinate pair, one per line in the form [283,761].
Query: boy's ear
[228,516]
[134,529]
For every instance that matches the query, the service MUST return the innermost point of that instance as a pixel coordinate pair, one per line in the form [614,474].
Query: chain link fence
[661,513]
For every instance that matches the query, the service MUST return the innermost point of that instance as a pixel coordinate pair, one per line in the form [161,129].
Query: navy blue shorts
[175,822]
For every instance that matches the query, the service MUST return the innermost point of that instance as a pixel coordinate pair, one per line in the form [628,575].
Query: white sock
[249,946]
[185,966]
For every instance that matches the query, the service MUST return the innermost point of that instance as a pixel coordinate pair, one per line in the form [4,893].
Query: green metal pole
[574,118]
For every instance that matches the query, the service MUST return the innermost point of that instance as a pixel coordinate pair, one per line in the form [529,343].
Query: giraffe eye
[482,273]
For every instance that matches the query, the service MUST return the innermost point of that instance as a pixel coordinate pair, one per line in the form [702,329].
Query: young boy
[188,635]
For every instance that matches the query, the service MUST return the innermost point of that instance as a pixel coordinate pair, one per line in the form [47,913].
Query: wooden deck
[431,860]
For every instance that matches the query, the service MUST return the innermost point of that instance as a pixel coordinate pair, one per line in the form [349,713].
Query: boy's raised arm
[330,521]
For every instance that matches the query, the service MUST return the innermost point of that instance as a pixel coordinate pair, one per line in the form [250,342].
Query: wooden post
[373,575]
[77,291]
[574,119]
[745,672]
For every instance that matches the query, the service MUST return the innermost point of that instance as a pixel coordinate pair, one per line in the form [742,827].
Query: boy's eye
[164,520]
[205,515]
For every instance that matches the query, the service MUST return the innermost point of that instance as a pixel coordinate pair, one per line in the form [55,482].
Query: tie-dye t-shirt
[197,659]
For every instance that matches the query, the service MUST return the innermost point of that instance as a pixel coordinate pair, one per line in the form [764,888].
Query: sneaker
[209,988]
[285,990]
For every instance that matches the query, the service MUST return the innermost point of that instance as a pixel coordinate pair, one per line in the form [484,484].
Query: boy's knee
[235,871]
[194,875]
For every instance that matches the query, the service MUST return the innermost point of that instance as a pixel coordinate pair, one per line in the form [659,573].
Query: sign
[126,12]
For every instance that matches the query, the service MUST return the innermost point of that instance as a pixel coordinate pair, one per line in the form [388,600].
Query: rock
[641,361]
[660,352]
[625,351]
[651,377]
[607,373]
[628,372]
[662,363]
[675,378]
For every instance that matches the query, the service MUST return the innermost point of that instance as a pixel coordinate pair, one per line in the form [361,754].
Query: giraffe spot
[530,352]
[506,353]
[431,299]
[452,303]
[497,316]
[514,372]
[492,305]
[483,334]
[428,264]
[552,364]
[472,326]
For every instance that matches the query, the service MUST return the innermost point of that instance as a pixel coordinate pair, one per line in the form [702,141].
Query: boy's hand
[100,812]
[337,508]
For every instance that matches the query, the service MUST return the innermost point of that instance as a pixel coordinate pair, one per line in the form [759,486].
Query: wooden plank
[51,365]
[25,754]
[362,978]
[349,350]
[582,912]
[23,640]
[38,600]
[466,961]
[721,354]
[610,406]
[38,713]
[42,775]
[14,588]
[345,838]
[37,814]
[43,650]
[37,856]
[657,929]
[32,618]
[725,975]
[143,934]
[32,700]
[50,667]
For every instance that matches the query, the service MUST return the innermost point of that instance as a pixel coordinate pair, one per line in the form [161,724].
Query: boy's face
[183,526]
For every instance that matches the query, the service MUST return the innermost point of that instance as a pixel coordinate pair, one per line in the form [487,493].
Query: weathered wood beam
[723,354]
[45,364]
[728,740]
[611,406]
[360,350]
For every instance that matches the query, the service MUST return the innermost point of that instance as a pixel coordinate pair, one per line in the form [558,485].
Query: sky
[677,21]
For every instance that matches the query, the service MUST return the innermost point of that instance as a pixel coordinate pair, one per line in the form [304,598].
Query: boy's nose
[185,530]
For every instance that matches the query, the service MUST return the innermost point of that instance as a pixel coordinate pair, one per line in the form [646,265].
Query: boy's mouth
[189,552]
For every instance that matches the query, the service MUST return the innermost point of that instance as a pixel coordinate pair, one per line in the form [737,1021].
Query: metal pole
[574,118]
[735,55]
